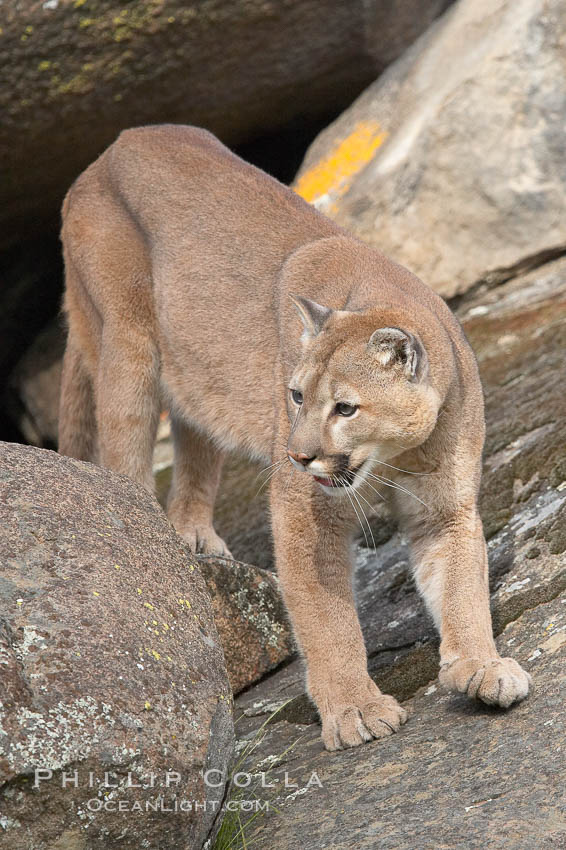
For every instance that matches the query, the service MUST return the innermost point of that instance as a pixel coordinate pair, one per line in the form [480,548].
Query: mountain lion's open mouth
[344,479]
[326,482]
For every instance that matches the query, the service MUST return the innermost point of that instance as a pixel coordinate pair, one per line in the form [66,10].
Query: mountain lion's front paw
[350,721]
[496,681]
[203,540]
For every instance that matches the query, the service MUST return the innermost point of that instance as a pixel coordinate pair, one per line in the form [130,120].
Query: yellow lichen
[333,174]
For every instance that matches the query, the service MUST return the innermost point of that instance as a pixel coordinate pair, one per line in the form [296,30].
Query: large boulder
[111,665]
[452,162]
[79,71]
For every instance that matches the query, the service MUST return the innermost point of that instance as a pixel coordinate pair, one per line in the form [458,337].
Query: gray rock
[452,162]
[110,663]
[250,618]
[459,774]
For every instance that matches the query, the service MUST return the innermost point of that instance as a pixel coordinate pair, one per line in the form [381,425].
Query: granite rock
[111,666]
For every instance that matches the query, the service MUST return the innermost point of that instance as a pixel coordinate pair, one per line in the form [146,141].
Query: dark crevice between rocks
[268,674]
[281,152]
[496,277]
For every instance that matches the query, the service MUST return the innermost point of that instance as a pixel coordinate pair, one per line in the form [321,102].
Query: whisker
[271,466]
[406,471]
[267,481]
[381,496]
[333,478]
[389,483]
[405,448]
[357,497]
[294,425]
[290,478]
[269,472]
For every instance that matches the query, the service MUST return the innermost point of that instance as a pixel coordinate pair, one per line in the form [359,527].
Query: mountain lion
[196,281]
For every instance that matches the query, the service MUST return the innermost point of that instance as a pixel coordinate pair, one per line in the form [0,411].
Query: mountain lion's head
[359,393]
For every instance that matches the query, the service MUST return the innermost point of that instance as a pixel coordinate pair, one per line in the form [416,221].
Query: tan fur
[197,281]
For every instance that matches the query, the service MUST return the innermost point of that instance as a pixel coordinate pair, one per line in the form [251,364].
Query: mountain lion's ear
[313,315]
[392,345]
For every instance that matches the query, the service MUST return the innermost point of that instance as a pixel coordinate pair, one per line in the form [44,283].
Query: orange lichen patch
[333,174]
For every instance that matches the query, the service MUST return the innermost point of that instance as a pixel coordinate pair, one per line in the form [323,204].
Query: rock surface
[250,618]
[452,162]
[110,662]
[418,794]
[457,775]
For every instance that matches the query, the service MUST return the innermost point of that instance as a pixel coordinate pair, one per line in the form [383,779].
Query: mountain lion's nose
[300,457]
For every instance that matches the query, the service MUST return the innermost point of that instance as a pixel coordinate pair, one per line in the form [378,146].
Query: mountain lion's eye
[343,409]
[297,396]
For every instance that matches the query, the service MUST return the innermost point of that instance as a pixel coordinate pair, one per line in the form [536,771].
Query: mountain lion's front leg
[450,561]
[312,548]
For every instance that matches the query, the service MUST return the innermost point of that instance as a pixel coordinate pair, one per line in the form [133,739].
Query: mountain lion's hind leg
[312,548]
[196,475]
[109,296]
[127,402]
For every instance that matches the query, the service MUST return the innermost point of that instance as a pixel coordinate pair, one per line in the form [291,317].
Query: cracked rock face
[452,162]
[111,666]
